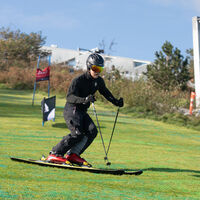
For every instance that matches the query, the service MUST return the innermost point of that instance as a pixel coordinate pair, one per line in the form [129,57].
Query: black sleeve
[106,93]
[73,93]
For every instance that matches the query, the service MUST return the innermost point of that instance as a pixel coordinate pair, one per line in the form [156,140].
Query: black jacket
[84,85]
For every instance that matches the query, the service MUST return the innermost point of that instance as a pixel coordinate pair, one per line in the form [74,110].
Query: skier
[83,130]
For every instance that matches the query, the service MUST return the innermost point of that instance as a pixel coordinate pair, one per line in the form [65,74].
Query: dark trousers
[80,124]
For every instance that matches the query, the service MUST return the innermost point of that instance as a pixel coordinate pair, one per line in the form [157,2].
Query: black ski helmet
[94,59]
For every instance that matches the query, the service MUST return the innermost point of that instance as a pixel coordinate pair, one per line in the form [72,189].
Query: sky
[136,28]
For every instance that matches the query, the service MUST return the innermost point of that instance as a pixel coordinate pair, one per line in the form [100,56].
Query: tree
[170,68]
[18,46]
[108,50]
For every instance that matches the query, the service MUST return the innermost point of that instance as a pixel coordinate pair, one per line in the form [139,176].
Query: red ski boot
[58,159]
[74,158]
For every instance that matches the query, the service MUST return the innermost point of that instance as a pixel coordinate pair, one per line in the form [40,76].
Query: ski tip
[139,172]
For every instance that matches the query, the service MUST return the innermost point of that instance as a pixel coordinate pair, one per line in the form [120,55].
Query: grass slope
[169,156]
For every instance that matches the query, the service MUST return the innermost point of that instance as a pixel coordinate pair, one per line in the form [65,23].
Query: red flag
[43,75]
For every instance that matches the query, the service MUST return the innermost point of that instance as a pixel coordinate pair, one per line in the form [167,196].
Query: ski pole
[112,131]
[106,157]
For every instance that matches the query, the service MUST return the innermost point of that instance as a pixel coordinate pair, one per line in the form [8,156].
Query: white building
[128,67]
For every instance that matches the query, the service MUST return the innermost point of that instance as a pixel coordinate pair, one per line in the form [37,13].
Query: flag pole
[49,77]
[35,82]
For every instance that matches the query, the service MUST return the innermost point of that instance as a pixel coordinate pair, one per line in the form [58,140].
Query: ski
[78,168]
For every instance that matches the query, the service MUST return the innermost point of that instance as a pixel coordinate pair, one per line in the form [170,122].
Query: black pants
[80,124]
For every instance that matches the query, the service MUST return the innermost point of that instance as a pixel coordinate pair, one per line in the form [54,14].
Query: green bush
[143,95]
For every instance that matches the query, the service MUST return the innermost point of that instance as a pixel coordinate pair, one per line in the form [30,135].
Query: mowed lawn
[168,154]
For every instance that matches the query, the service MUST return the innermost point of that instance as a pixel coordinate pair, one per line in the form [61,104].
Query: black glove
[90,98]
[119,102]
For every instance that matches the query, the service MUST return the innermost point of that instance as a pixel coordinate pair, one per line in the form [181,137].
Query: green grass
[168,154]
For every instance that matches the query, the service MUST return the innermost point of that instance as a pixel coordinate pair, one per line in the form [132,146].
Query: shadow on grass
[63,125]
[198,176]
[59,125]
[9,91]
[171,170]
[15,110]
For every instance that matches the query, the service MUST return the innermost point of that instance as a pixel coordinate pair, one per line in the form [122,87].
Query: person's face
[94,74]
